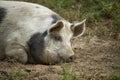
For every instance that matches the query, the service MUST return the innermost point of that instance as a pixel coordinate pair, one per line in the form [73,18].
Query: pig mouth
[57,60]
[51,59]
[67,60]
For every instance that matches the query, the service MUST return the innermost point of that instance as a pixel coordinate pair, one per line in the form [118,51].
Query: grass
[2,78]
[114,77]
[16,75]
[68,74]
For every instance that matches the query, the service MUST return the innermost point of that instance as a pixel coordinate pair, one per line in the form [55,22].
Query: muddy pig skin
[32,32]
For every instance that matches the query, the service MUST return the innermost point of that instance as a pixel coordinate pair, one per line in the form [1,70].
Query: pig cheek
[51,58]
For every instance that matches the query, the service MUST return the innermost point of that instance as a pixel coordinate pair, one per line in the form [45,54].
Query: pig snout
[70,58]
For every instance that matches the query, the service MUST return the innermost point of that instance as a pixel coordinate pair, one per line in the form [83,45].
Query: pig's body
[24,19]
[30,31]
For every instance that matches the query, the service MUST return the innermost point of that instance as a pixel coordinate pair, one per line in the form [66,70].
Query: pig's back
[21,20]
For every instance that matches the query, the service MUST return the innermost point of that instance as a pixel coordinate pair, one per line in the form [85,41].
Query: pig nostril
[71,58]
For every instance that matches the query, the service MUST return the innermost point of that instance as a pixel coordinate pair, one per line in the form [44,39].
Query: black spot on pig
[2,14]
[36,46]
[56,18]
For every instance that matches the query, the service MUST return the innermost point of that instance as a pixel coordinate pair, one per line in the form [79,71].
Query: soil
[96,59]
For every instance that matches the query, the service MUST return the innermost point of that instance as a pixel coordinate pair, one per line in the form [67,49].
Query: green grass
[2,79]
[16,75]
[114,77]
[68,74]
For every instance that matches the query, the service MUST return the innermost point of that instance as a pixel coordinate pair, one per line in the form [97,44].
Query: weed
[114,77]
[68,74]
[17,74]
[2,78]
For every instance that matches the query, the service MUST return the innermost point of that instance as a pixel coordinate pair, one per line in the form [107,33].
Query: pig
[30,32]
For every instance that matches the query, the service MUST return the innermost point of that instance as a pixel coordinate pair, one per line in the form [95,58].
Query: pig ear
[78,28]
[56,27]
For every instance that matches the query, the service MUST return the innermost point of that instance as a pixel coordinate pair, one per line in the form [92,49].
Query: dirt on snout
[96,59]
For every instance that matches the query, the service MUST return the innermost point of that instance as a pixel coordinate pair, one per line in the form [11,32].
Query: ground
[96,59]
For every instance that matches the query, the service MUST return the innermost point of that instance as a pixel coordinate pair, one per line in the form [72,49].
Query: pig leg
[16,51]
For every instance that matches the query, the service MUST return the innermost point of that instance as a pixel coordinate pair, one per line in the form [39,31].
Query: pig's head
[54,45]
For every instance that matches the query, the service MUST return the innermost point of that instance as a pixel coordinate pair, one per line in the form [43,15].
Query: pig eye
[58,38]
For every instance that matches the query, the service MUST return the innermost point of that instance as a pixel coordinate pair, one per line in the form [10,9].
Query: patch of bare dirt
[96,59]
